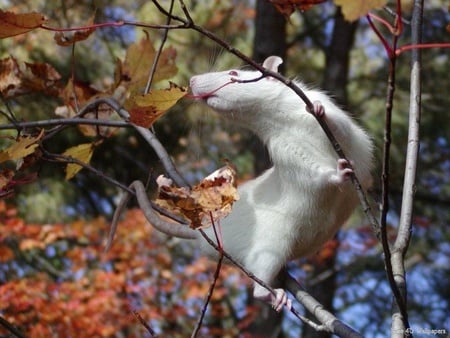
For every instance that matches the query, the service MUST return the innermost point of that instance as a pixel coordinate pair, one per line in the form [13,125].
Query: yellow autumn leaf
[23,147]
[82,152]
[146,109]
[354,9]
[162,99]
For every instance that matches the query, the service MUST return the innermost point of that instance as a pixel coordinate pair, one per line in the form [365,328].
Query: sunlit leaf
[146,109]
[161,99]
[24,146]
[14,24]
[81,152]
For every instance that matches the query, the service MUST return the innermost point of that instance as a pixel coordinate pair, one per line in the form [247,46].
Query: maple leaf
[12,24]
[23,78]
[24,146]
[146,109]
[207,202]
[82,152]
[134,70]
[354,9]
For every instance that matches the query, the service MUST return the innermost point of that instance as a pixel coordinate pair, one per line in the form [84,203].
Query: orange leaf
[144,116]
[12,24]
[6,253]
[28,244]
[208,201]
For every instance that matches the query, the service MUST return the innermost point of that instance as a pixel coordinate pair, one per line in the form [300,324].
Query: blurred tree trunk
[334,81]
[270,39]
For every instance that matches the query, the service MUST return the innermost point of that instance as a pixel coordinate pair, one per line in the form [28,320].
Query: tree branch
[401,243]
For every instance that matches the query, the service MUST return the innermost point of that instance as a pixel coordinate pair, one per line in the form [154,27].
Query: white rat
[300,203]
[293,208]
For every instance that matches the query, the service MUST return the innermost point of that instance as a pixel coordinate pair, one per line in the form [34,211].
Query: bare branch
[405,226]
[211,288]
[163,156]
[65,122]
[327,319]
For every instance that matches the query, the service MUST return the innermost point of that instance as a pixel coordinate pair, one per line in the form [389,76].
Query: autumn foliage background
[55,277]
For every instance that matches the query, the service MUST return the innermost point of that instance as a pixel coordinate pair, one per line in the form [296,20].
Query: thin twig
[158,54]
[212,286]
[71,160]
[159,149]
[145,324]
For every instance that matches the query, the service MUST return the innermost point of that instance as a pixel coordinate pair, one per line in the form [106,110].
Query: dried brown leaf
[69,38]
[207,202]
[12,24]
[19,78]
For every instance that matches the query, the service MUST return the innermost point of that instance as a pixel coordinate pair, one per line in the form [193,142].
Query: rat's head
[242,93]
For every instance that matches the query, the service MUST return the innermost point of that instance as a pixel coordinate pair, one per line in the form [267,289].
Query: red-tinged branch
[383,22]
[402,49]
[213,284]
[387,48]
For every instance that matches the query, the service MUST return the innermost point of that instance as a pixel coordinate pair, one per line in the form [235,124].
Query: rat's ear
[272,63]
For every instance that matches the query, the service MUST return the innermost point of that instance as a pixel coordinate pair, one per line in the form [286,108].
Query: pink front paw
[343,172]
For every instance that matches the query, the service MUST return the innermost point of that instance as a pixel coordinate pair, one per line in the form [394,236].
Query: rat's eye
[233,73]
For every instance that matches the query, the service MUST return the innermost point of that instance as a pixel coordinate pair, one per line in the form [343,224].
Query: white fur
[294,207]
